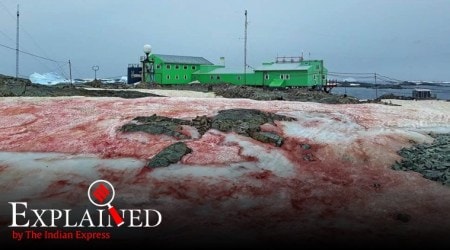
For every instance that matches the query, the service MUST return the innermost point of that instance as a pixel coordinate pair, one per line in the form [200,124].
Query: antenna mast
[245,49]
[17,44]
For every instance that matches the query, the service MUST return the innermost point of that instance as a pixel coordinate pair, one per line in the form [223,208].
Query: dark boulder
[169,155]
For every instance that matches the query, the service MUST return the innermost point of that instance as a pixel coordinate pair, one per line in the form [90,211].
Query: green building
[170,69]
[284,72]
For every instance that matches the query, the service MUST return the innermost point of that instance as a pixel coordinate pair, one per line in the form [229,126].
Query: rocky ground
[432,160]
[257,93]
[9,86]
[246,122]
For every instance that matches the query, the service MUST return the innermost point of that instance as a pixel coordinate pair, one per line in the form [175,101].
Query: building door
[266,78]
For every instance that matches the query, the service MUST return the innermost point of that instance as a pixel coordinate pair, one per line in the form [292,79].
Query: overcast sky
[403,39]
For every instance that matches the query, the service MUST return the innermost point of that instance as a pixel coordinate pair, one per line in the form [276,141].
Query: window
[177,66]
[184,67]
[193,67]
[314,77]
[211,77]
[176,77]
[168,66]
[218,77]
[284,76]
[239,77]
[168,77]
[266,76]
[158,66]
[185,76]
[317,66]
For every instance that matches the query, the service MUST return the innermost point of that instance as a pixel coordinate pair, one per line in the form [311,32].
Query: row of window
[218,77]
[316,76]
[285,76]
[282,76]
[168,66]
[266,76]
[177,77]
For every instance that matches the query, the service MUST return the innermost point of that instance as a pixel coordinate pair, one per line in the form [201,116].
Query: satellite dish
[147,49]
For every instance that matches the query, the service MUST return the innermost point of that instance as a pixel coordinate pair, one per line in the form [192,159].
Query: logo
[103,191]
[72,223]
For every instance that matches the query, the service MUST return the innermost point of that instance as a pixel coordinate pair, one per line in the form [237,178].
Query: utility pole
[376,86]
[70,72]
[17,44]
[245,49]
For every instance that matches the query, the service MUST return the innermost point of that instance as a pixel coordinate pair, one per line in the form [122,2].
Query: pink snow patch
[331,176]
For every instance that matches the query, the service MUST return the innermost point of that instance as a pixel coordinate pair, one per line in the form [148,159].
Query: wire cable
[31,54]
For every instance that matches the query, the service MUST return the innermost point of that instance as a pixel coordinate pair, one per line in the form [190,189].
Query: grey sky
[404,39]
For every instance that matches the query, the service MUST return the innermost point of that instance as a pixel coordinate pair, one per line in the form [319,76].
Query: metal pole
[143,71]
[376,87]
[145,66]
[245,49]
[95,68]
[70,72]
[17,44]
[152,70]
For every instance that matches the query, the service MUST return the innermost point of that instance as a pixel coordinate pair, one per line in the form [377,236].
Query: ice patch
[50,78]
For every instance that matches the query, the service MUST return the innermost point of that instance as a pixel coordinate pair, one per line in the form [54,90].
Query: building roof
[223,70]
[281,67]
[183,59]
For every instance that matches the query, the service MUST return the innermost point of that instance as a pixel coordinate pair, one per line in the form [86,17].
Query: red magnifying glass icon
[101,193]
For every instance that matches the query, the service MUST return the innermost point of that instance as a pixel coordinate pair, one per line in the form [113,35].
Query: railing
[289,59]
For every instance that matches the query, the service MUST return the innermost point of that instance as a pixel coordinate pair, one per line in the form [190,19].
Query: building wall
[290,78]
[316,73]
[170,73]
[232,78]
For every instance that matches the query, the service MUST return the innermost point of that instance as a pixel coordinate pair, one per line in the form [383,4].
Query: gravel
[430,160]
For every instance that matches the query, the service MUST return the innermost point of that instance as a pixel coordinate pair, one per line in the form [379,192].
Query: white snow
[50,78]
[213,173]
[168,92]
[350,79]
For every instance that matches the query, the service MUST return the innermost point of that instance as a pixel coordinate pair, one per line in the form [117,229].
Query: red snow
[210,149]
[335,186]
[67,188]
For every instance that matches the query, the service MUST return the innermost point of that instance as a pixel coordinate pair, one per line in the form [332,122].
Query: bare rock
[171,154]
